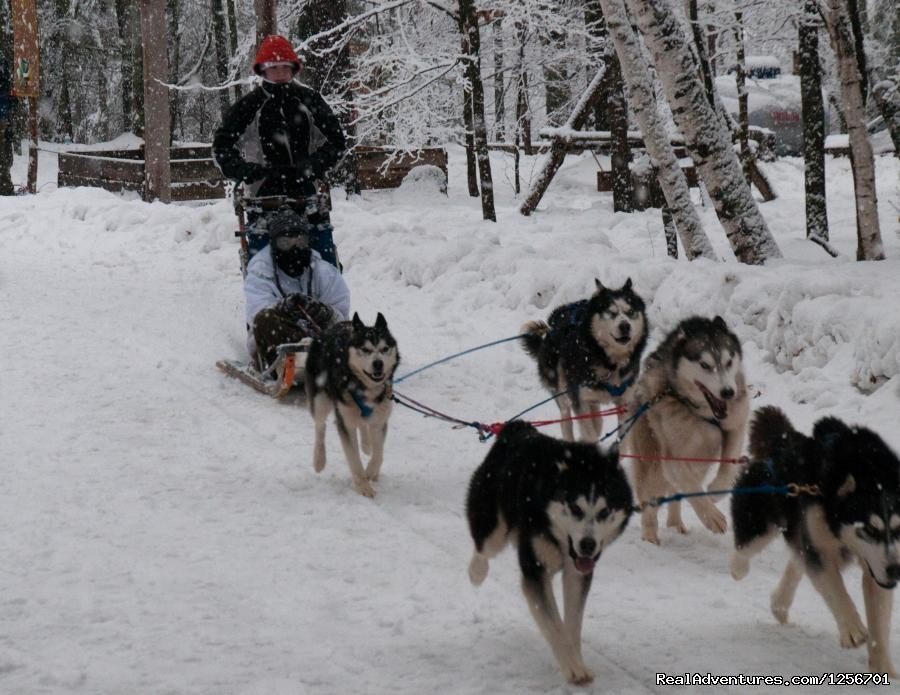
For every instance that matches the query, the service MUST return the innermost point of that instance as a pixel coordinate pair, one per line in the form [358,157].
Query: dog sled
[252,213]
[281,376]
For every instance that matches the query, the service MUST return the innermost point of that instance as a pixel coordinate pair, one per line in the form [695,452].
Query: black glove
[294,304]
[300,307]
[320,313]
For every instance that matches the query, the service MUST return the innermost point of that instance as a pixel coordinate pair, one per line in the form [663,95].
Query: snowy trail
[165,532]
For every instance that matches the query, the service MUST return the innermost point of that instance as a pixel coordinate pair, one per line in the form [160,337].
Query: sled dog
[856,515]
[562,504]
[350,370]
[590,349]
[698,404]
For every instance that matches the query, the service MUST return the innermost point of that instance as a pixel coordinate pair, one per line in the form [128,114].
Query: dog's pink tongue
[585,565]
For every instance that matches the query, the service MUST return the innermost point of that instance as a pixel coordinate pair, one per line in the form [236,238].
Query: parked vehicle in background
[773,101]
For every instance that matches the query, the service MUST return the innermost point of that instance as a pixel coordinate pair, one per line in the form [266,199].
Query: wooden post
[595,90]
[26,74]
[157,123]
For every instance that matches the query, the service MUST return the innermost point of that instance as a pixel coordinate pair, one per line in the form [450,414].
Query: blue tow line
[757,490]
[458,354]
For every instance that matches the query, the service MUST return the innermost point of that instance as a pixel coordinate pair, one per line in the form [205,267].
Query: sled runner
[280,377]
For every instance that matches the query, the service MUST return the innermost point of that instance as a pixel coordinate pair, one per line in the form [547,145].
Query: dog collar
[364,408]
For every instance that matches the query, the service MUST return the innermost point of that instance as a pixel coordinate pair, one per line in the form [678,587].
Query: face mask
[293,261]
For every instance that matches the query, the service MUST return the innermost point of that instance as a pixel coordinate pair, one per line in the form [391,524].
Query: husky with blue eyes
[589,352]
[855,515]
[697,407]
[562,504]
[350,371]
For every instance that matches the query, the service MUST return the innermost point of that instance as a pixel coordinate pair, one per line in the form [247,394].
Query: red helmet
[275,49]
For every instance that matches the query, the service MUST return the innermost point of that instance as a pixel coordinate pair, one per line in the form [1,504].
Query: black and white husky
[856,515]
[698,404]
[563,504]
[350,370]
[591,350]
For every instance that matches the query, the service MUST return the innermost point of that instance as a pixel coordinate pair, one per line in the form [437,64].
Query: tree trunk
[862,160]
[556,78]
[471,48]
[670,232]
[471,161]
[266,22]
[6,102]
[612,113]
[856,12]
[157,175]
[642,100]
[137,72]
[221,40]
[499,91]
[232,37]
[174,34]
[700,49]
[123,17]
[60,47]
[887,97]
[523,109]
[813,123]
[740,77]
[708,141]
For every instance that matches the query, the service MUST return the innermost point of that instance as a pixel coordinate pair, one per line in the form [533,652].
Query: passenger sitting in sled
[291,292]
[279,140]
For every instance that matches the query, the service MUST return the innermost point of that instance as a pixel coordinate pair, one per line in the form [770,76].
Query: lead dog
[698,404]
[855,516]
[350,370]
[591,350]
[562,504]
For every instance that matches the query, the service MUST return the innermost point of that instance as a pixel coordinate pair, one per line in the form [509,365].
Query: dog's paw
[579,676]
[478,569]
[650,535]
[881,663]
[319,461]
[779,606]
[372,472]
[740,567]
[853,634]
[679,526]
[363,488]
[714,520]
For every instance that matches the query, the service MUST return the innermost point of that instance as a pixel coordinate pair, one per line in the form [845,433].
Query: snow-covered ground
[163,530]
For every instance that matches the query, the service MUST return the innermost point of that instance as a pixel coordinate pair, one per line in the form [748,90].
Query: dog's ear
[627,286]
[829,431]
[357,322]
[380,321]
[847,487]
[719,322]
[599,285]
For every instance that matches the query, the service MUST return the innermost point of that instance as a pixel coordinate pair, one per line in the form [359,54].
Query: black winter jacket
[278,139]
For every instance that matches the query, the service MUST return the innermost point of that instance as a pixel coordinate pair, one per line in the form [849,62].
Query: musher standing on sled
[280,138]
[290,292]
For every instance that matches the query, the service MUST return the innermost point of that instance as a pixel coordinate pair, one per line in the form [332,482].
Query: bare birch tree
[706,136]
[862,159]
[471,50]
[642,100]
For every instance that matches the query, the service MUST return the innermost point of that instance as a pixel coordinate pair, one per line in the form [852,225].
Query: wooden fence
[195,175]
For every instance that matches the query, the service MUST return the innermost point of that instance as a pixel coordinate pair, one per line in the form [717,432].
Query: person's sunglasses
[286,243]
